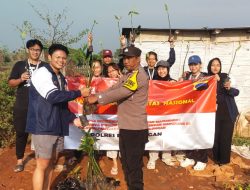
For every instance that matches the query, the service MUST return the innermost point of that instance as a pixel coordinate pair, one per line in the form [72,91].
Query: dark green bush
[239,141]
[7,98]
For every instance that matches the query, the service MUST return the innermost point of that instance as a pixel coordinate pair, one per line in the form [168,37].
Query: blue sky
[183,14]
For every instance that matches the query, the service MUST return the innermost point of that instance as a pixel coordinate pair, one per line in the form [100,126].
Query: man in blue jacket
[48,114]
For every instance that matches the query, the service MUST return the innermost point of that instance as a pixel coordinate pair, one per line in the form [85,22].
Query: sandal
[114,171]
[19,168]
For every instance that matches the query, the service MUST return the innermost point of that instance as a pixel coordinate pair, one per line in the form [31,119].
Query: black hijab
[221,91]
[222,76]
[166,78]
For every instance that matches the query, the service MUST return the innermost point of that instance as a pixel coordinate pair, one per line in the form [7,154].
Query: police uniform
[131,95]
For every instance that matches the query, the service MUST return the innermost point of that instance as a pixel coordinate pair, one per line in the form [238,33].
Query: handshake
[85,91]
[90,99]
[89,107]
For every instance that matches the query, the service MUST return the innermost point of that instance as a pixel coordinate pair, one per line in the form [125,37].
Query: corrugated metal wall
[207,50]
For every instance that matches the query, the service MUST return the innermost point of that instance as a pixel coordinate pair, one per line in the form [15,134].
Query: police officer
[131,95]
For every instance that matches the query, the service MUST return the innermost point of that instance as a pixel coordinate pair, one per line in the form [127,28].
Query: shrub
[7,98]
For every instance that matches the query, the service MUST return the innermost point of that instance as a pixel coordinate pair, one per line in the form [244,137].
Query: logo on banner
[200,85]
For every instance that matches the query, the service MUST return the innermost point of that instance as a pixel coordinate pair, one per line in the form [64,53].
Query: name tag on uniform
[131,83]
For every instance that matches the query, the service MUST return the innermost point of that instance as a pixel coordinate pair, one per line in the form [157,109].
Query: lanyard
[151,75]
[31,71]
[59,81]
[196,77]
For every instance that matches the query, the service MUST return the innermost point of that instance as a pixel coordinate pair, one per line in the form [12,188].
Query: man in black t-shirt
[20,78]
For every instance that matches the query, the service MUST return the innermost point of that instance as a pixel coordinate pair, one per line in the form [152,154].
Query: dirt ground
[162,178]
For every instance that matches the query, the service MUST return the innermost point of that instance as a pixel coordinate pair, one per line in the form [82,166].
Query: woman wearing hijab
[162,69]
[162,74]
[226,113]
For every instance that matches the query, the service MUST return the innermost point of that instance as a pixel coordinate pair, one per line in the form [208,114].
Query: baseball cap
[163,63]
[131,51]
[107,53]
[195,59]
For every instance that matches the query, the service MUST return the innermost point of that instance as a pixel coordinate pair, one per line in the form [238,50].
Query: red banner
[181,115]
[164,97]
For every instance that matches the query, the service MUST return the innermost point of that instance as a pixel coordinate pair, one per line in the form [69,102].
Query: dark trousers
[199,155]
[132,146]
[222,139]
[20,118]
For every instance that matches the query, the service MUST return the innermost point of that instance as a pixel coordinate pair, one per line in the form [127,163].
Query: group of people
[41,108]
[225,115]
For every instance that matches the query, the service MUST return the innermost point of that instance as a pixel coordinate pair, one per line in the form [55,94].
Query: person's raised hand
[171,38]
[90,39]
[123,41]
[171,41]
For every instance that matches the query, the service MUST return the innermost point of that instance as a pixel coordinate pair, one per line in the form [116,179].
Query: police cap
[131,51]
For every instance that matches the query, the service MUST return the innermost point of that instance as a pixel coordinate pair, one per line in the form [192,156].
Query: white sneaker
[151,165]
[168,162]
[199,166]
[187,162]
[180,157]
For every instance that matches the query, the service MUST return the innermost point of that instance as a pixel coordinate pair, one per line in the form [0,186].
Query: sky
[183,14]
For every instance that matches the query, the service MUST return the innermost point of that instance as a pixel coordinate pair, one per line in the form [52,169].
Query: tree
[57,30]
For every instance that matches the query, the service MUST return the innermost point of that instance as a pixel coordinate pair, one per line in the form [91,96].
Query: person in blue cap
[194,64]
[198,158]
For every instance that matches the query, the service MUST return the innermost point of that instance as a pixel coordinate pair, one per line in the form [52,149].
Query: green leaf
[23,35]
[166,7]
[133,12]
[118,17]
